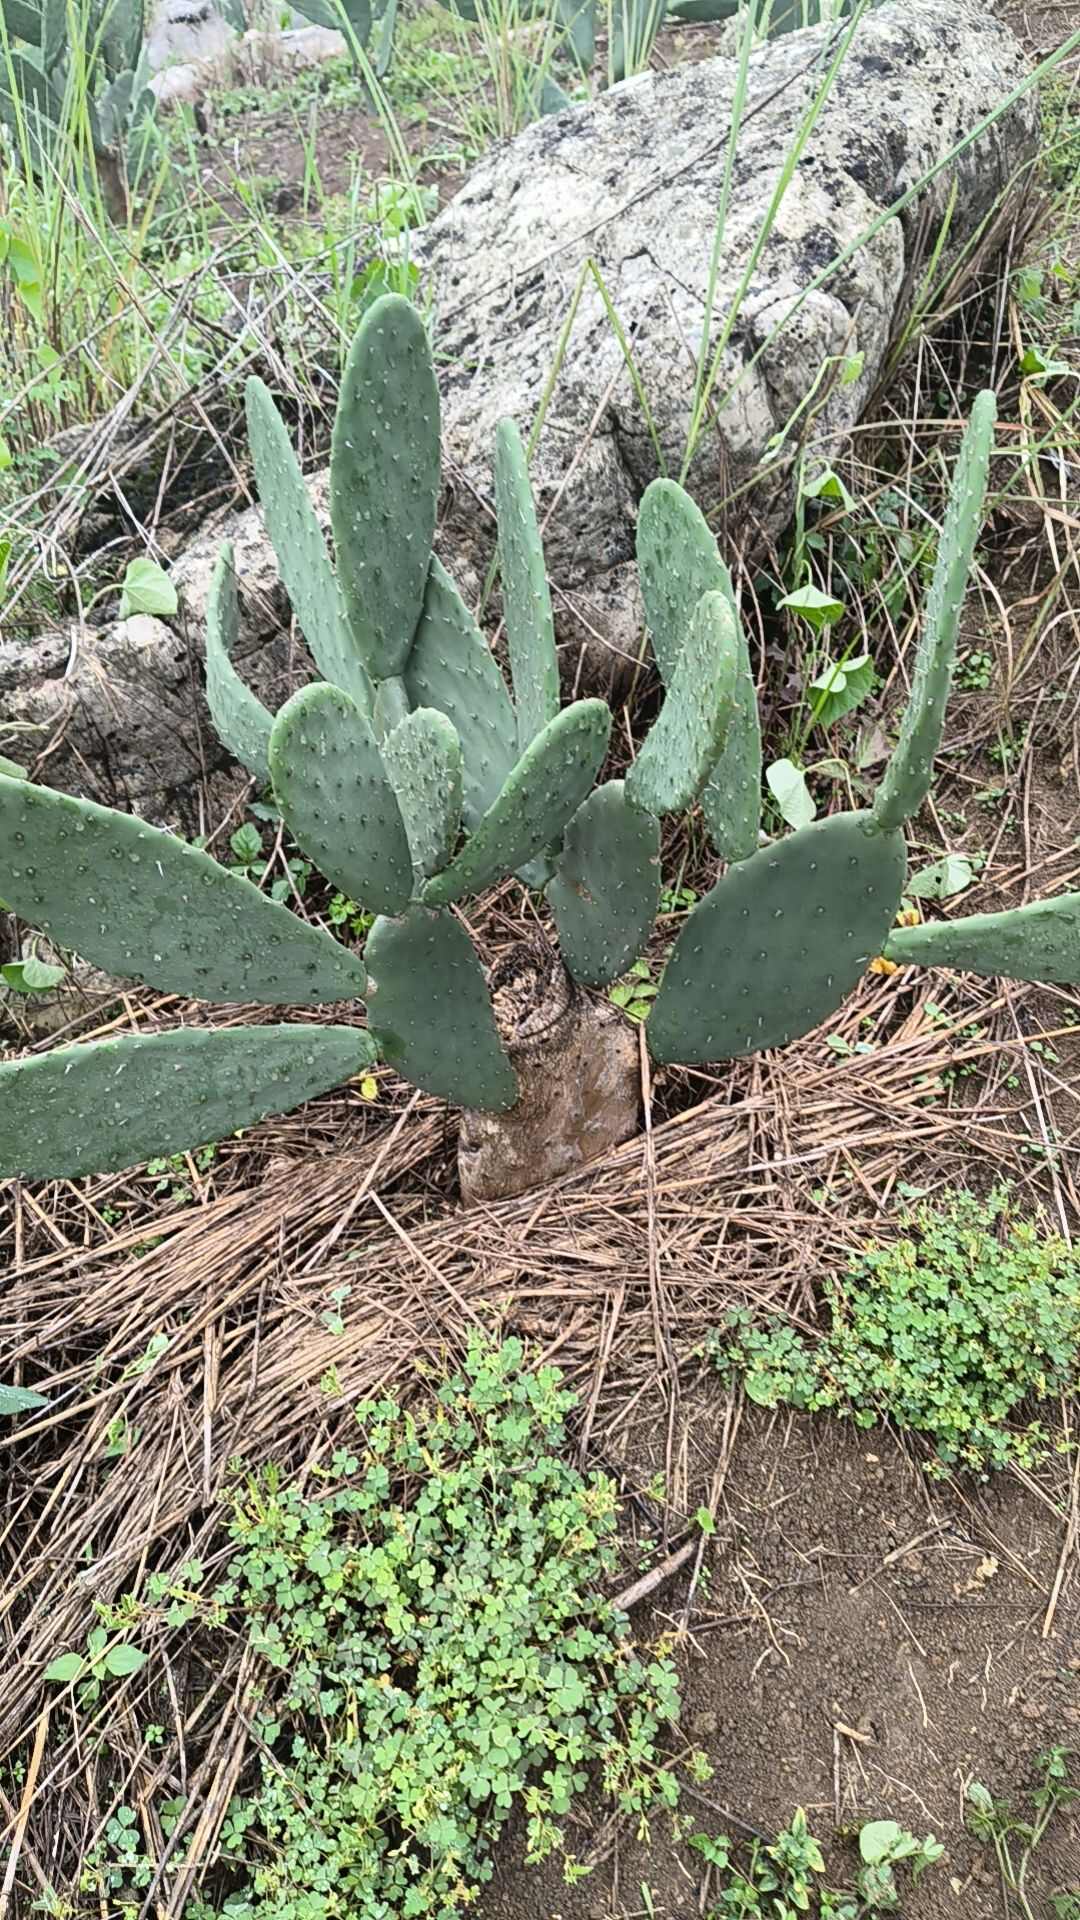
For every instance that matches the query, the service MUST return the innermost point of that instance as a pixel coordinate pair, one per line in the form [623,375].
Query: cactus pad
[530,628]
[678,561]
[1039,942]
[423,759]
[731,797]
[452,668]
[606,888]
[689,732]
[297,540]
[242,722]
[906,780]
[542,793]
[337,800]
[779,942]
[140,903]
[384,481]
[431,1013]
[391,706]
[114,1103]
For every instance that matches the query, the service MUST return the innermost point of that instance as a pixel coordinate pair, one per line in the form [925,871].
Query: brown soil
[864,1643]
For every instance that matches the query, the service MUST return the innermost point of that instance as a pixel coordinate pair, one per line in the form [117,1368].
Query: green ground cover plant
[435,1652]
[951,1332]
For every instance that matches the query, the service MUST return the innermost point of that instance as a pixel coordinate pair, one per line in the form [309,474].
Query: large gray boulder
[632,182]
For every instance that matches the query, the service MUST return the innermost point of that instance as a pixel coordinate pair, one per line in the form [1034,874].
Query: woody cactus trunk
[415,779]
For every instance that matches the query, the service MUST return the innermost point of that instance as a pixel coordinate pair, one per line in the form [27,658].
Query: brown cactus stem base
[576,1059]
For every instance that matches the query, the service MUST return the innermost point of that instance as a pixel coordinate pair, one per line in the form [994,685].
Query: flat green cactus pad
[431,1013]
[392,705]
[302,557]
[242,722]
[115,1103]
[141,904]
[530,627]
[678,561]
[779,942]
[606,888]
[336,796]
[731,796]
[1039,942]
[906,780]
[452,668]
[423,759]
[384,480]
[689,731]
[542,793]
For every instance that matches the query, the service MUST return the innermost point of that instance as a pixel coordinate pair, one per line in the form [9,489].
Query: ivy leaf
[120,1661]
[941,880]
[828,485]
[816,608]
[147,589]
[791,793]
[841,688]
[68,1667]
[31,975]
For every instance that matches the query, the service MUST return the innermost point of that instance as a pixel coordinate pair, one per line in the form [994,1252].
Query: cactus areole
[414,778]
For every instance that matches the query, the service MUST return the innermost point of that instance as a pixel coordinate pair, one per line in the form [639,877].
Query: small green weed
[173,1175]
[783,1880]
[435,1652]
[947,1332]
[1015,1840]
[635,992]
[974,670]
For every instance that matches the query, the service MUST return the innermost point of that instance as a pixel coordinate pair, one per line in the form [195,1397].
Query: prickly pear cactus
[141,904]
[606,887]
[241,720]
[337,798]
[779,942]
[98,1109]
[413,778]
[909,773]
[530,626]
[545,788]
[1039,942]
[384,481]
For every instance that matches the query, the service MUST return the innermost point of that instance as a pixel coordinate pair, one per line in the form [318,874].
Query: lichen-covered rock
[633,182]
